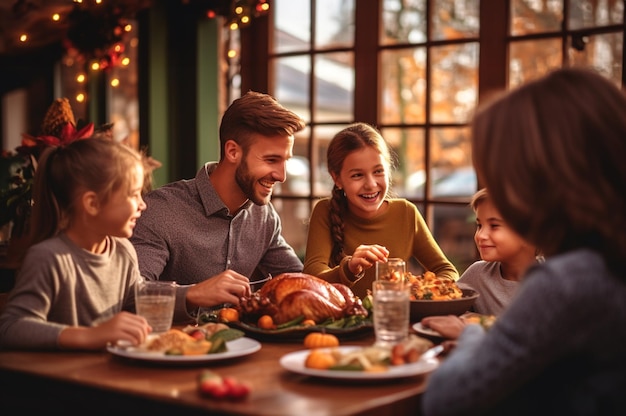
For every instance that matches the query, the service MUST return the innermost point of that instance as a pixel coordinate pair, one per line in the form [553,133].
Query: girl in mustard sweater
[360,224]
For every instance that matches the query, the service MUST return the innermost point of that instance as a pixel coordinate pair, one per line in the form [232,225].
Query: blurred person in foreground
[211,233]
[551,154]
[505,256]
[361,224]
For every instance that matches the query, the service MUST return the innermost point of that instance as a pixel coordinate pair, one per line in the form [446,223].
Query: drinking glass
[393,270]
[391,311]
[154,300]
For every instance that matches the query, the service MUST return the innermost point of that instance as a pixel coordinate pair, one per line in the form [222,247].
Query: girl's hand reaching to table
[365,256]
[124,326]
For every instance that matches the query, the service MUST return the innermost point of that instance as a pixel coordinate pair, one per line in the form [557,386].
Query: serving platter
[236,348]
[297,333]
[486,321]
[294,362]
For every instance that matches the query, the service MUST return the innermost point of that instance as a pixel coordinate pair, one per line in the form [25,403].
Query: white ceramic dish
[422,330]
[236,348]
[294,362]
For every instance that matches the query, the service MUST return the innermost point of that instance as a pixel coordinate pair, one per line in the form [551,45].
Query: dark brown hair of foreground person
[552,155]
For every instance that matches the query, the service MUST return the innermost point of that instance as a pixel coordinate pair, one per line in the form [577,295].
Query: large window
[416,69]
[427,84]
[555,33]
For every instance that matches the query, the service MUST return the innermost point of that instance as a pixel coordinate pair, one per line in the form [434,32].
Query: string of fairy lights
[97,33]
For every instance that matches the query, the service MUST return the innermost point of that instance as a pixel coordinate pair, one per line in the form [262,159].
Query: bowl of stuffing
[432,295]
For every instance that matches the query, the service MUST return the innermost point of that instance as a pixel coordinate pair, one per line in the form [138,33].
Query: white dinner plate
[422,330]
[294,362]
[235,348]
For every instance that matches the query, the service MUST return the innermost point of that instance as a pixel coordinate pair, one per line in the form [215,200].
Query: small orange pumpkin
[266,322]
[320,360]
[320,340]
[228,315]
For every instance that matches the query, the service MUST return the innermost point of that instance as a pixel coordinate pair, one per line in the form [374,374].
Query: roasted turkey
[291,295]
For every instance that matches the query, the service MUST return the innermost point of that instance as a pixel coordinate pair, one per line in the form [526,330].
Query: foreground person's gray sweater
[560,349]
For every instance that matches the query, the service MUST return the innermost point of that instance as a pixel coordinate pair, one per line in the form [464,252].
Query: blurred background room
[163,71]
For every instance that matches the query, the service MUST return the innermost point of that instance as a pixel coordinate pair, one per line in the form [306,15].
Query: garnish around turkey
[297,300]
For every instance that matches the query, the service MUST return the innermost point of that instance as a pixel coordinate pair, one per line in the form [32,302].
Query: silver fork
[432,352]
[260,282]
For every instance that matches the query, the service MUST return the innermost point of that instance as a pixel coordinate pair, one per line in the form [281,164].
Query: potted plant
[18,166]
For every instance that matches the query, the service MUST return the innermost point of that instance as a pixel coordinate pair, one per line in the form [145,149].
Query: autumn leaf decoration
[58,129]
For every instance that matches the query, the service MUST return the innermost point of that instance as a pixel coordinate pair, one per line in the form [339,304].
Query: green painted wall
[208,91]
[169,109]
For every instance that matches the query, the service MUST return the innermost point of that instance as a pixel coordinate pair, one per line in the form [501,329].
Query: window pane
[298,169]
[124,103]
[321,137]
[588,13]
[334,23]
[334,86]
[408,144]
[531,59]
[404,21]
[292,21]
[455,19]
[403,86]
[452,174]
[602,52]
[290,83]
[454,82]
[536,16]
[74,86]
[294,216]
[453,228]
[234,62]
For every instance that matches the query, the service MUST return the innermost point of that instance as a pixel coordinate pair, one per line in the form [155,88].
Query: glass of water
[154,300]
[393,270]
[391,311]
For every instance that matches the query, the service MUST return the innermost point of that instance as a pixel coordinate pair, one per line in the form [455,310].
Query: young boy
[505,257]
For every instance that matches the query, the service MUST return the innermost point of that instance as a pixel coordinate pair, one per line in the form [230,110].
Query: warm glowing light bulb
[115,82]
[95,66]
[234,26]
[125,61]
[265,7]
[80,97]
[232,53]
[98,1]
[128,28]
[238,9]
[117,47]
[23,37]
[80,78]
[245,20]
[56,17]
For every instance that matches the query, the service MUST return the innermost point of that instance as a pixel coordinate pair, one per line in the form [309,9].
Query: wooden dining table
[102,383]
